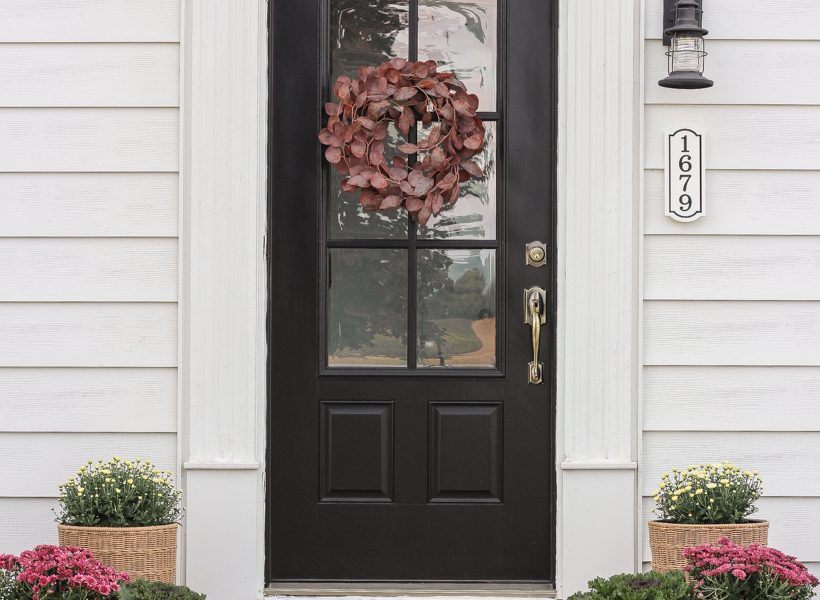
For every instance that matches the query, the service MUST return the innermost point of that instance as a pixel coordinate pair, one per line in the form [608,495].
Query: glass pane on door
[457,308]
[367,312]
[475,213]
[462,35]
[367,32]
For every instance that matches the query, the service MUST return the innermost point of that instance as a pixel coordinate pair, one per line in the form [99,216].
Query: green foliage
[151,590]
[119,493]
[648,586]
[718,493]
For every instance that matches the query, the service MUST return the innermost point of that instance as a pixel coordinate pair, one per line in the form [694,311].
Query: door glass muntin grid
[402,232]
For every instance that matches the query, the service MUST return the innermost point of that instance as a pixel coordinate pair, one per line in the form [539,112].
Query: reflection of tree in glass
[468,298]
[433,283]
[364,32]
[471,11]
[368,290]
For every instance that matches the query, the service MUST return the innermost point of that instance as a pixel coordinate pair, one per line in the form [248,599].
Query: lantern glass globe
[686,54]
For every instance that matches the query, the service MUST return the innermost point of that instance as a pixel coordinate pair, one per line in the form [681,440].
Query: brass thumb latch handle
[535,315]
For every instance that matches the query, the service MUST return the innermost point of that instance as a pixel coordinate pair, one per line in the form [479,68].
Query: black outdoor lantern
[686,55]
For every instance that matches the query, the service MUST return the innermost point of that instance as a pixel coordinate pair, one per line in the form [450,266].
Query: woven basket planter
[142,552]
[667,540]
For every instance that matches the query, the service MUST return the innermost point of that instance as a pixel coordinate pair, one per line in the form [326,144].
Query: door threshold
[533,591]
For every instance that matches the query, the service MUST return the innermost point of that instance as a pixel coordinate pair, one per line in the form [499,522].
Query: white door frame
[223,295]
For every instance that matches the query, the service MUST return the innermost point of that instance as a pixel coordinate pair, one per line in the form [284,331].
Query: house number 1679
[684,181]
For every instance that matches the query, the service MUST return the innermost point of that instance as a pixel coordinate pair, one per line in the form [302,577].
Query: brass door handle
[535,315]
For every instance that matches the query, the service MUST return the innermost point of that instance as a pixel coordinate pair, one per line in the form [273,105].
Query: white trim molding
[223,293]
[599,150]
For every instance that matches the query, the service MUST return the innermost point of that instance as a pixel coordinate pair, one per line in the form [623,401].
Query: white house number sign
[685,190]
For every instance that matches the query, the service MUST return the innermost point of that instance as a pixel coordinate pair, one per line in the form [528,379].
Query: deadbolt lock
[536,254]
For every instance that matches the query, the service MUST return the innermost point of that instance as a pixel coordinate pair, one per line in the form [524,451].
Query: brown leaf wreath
[404,93]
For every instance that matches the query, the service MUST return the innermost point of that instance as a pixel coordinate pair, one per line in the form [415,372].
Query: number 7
[688,179]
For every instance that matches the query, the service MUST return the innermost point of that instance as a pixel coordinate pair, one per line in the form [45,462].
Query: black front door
[406,440]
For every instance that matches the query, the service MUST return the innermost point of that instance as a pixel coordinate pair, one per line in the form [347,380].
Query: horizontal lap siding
[89,139]
[90,21]
[89,399]
[731,323]
[732,267]
[742,137]
[35,464]
[50,75]
[788,461]
[89,189]
[732,333]
[742,203]
[88,269]
[89,204]
[790,65]
[744,20]
[701,398]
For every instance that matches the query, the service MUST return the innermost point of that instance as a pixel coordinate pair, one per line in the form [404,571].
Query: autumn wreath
[404,93]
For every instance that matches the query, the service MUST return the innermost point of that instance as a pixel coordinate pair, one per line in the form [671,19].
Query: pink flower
[51,570]
[713,564]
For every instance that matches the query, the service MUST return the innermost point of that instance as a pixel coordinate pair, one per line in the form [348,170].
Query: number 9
[685,202]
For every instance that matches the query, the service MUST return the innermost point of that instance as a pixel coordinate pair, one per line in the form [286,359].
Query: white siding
[89,262]
[732,302]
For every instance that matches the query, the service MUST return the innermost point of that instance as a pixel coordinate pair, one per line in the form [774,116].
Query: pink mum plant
[63,573]
[756,572]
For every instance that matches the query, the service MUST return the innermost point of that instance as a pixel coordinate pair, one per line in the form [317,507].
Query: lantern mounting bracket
[669,18]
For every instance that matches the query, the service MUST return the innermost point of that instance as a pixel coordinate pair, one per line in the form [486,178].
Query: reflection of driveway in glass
[484,330]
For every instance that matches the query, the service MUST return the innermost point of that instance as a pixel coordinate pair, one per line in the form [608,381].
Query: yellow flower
[130,482]
[674,498]
[699,491]
[711,486]
[724,481]
[116,459]
[118,490]
[80,490]
[656,498]
[108,480]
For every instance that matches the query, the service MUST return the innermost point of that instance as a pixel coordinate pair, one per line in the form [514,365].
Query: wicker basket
[667,540]
[142,552]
